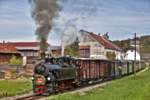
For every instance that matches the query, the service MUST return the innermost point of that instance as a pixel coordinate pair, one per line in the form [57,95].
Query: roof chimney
[3,41]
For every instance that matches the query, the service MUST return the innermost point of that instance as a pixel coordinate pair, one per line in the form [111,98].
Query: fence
[7,70]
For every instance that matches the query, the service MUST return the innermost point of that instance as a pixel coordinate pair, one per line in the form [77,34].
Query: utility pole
[135,47]
[134,54]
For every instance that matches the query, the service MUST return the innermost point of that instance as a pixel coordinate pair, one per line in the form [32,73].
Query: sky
[121,18]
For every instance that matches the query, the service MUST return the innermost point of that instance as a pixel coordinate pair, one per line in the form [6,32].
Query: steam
[72,27]
[43,12]
[69,36]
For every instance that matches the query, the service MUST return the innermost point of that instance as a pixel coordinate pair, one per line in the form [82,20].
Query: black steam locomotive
[65,73]
[53,74]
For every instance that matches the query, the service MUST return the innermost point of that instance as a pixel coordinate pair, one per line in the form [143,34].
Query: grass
[127,88]
[14,87]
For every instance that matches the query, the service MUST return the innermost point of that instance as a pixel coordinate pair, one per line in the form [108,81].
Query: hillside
[144,44]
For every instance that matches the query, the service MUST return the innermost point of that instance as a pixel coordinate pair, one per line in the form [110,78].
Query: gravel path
[88,88]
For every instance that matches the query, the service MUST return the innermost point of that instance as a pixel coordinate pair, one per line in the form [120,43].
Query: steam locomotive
[65,73]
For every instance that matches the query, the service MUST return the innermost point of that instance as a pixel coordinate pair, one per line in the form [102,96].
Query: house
[7,50]
[29,50]
[130,55]
[96,46]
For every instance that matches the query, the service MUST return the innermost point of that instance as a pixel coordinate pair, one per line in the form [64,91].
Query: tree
[73,49]
[15,61]
[106,36]
[124,44]
[144,44]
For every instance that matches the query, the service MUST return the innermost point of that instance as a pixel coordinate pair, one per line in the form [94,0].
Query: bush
[15,61]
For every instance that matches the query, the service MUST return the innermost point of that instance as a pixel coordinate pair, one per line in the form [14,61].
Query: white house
[130,55]
[96,46]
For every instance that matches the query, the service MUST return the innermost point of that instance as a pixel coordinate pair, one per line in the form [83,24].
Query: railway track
[30,97]
[75,90]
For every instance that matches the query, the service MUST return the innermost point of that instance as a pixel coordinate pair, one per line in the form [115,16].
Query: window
[85,53]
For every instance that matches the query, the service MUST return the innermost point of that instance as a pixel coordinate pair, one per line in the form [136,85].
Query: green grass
[14,87]
[126,88]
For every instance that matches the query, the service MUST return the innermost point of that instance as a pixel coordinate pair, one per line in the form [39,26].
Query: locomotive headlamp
[48,78]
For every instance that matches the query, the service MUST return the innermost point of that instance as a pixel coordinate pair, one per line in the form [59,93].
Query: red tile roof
[108,44]
[7,48]
[25,44]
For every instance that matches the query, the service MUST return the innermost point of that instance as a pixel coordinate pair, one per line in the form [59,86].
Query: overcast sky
[121,18]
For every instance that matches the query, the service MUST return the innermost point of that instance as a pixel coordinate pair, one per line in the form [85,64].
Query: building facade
[96,46]
[29,51]
[130,55]
[7,50]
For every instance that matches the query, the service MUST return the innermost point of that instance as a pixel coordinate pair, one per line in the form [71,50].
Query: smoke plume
[43,12]
[69,36]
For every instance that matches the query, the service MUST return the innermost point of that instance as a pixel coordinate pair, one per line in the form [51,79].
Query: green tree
[73,49]
[124,44]
[15,61]
[106,36]
[144,44]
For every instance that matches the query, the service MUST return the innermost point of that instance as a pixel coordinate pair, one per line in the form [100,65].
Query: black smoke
[44,12]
